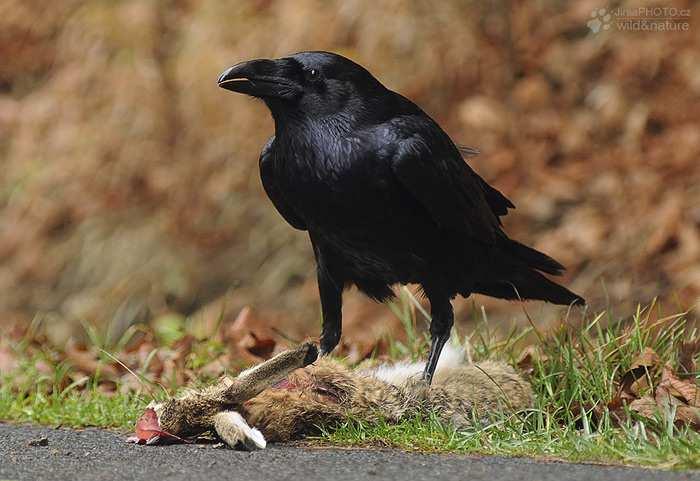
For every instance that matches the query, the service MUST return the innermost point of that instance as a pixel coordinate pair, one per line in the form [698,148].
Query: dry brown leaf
[261,347]
[639,386]
[89,363]
[683,389]
[530,355]
[671,393]
[686,358]
[648,358]
[155,361]
[688,415]
[646,406]
[642,366]
[251,337]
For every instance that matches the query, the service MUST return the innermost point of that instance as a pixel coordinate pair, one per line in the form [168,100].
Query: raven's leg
[440,327]
[331,307]
[330,289]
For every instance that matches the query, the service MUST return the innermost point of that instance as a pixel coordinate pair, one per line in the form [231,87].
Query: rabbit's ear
[234,431]
[253,381]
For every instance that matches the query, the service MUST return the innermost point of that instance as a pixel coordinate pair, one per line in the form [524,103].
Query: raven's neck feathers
[356,114]
[295,124]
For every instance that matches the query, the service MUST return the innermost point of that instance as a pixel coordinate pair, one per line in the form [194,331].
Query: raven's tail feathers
[522,279]
[532,258]
[530,284]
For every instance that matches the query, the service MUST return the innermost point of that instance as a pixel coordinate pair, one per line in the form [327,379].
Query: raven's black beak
[260,78]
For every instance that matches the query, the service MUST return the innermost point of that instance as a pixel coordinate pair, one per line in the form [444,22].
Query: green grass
[32,396]
[574,375]
[75,409]
[531,436]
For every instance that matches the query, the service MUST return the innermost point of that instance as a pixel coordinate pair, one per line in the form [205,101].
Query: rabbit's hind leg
[283,415]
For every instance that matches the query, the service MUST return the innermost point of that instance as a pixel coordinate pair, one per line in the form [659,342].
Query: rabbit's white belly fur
[452,356]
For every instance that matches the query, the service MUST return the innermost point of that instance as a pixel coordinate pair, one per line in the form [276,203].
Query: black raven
[384,194]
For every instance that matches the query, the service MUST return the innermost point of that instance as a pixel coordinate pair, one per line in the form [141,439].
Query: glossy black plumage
[384,194]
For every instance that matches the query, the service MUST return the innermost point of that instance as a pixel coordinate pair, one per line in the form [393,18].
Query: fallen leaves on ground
[651,388]
[529,357]
[635,380]
[156,355]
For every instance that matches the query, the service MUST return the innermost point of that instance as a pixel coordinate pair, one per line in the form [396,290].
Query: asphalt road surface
[31,452]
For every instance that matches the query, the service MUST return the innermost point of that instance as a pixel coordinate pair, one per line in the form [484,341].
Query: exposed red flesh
[284,384]
[148,427]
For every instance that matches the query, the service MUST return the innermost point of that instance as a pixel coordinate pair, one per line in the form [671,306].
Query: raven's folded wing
[454,195]
[272,189]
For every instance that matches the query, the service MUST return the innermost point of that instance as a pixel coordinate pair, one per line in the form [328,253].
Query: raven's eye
[311,74]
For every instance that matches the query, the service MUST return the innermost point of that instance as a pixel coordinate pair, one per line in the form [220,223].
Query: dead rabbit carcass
[278,401]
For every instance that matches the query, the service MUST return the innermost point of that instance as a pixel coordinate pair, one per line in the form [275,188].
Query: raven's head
[307,83]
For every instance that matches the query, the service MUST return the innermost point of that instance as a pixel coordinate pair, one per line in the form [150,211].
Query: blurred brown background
[129,186]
